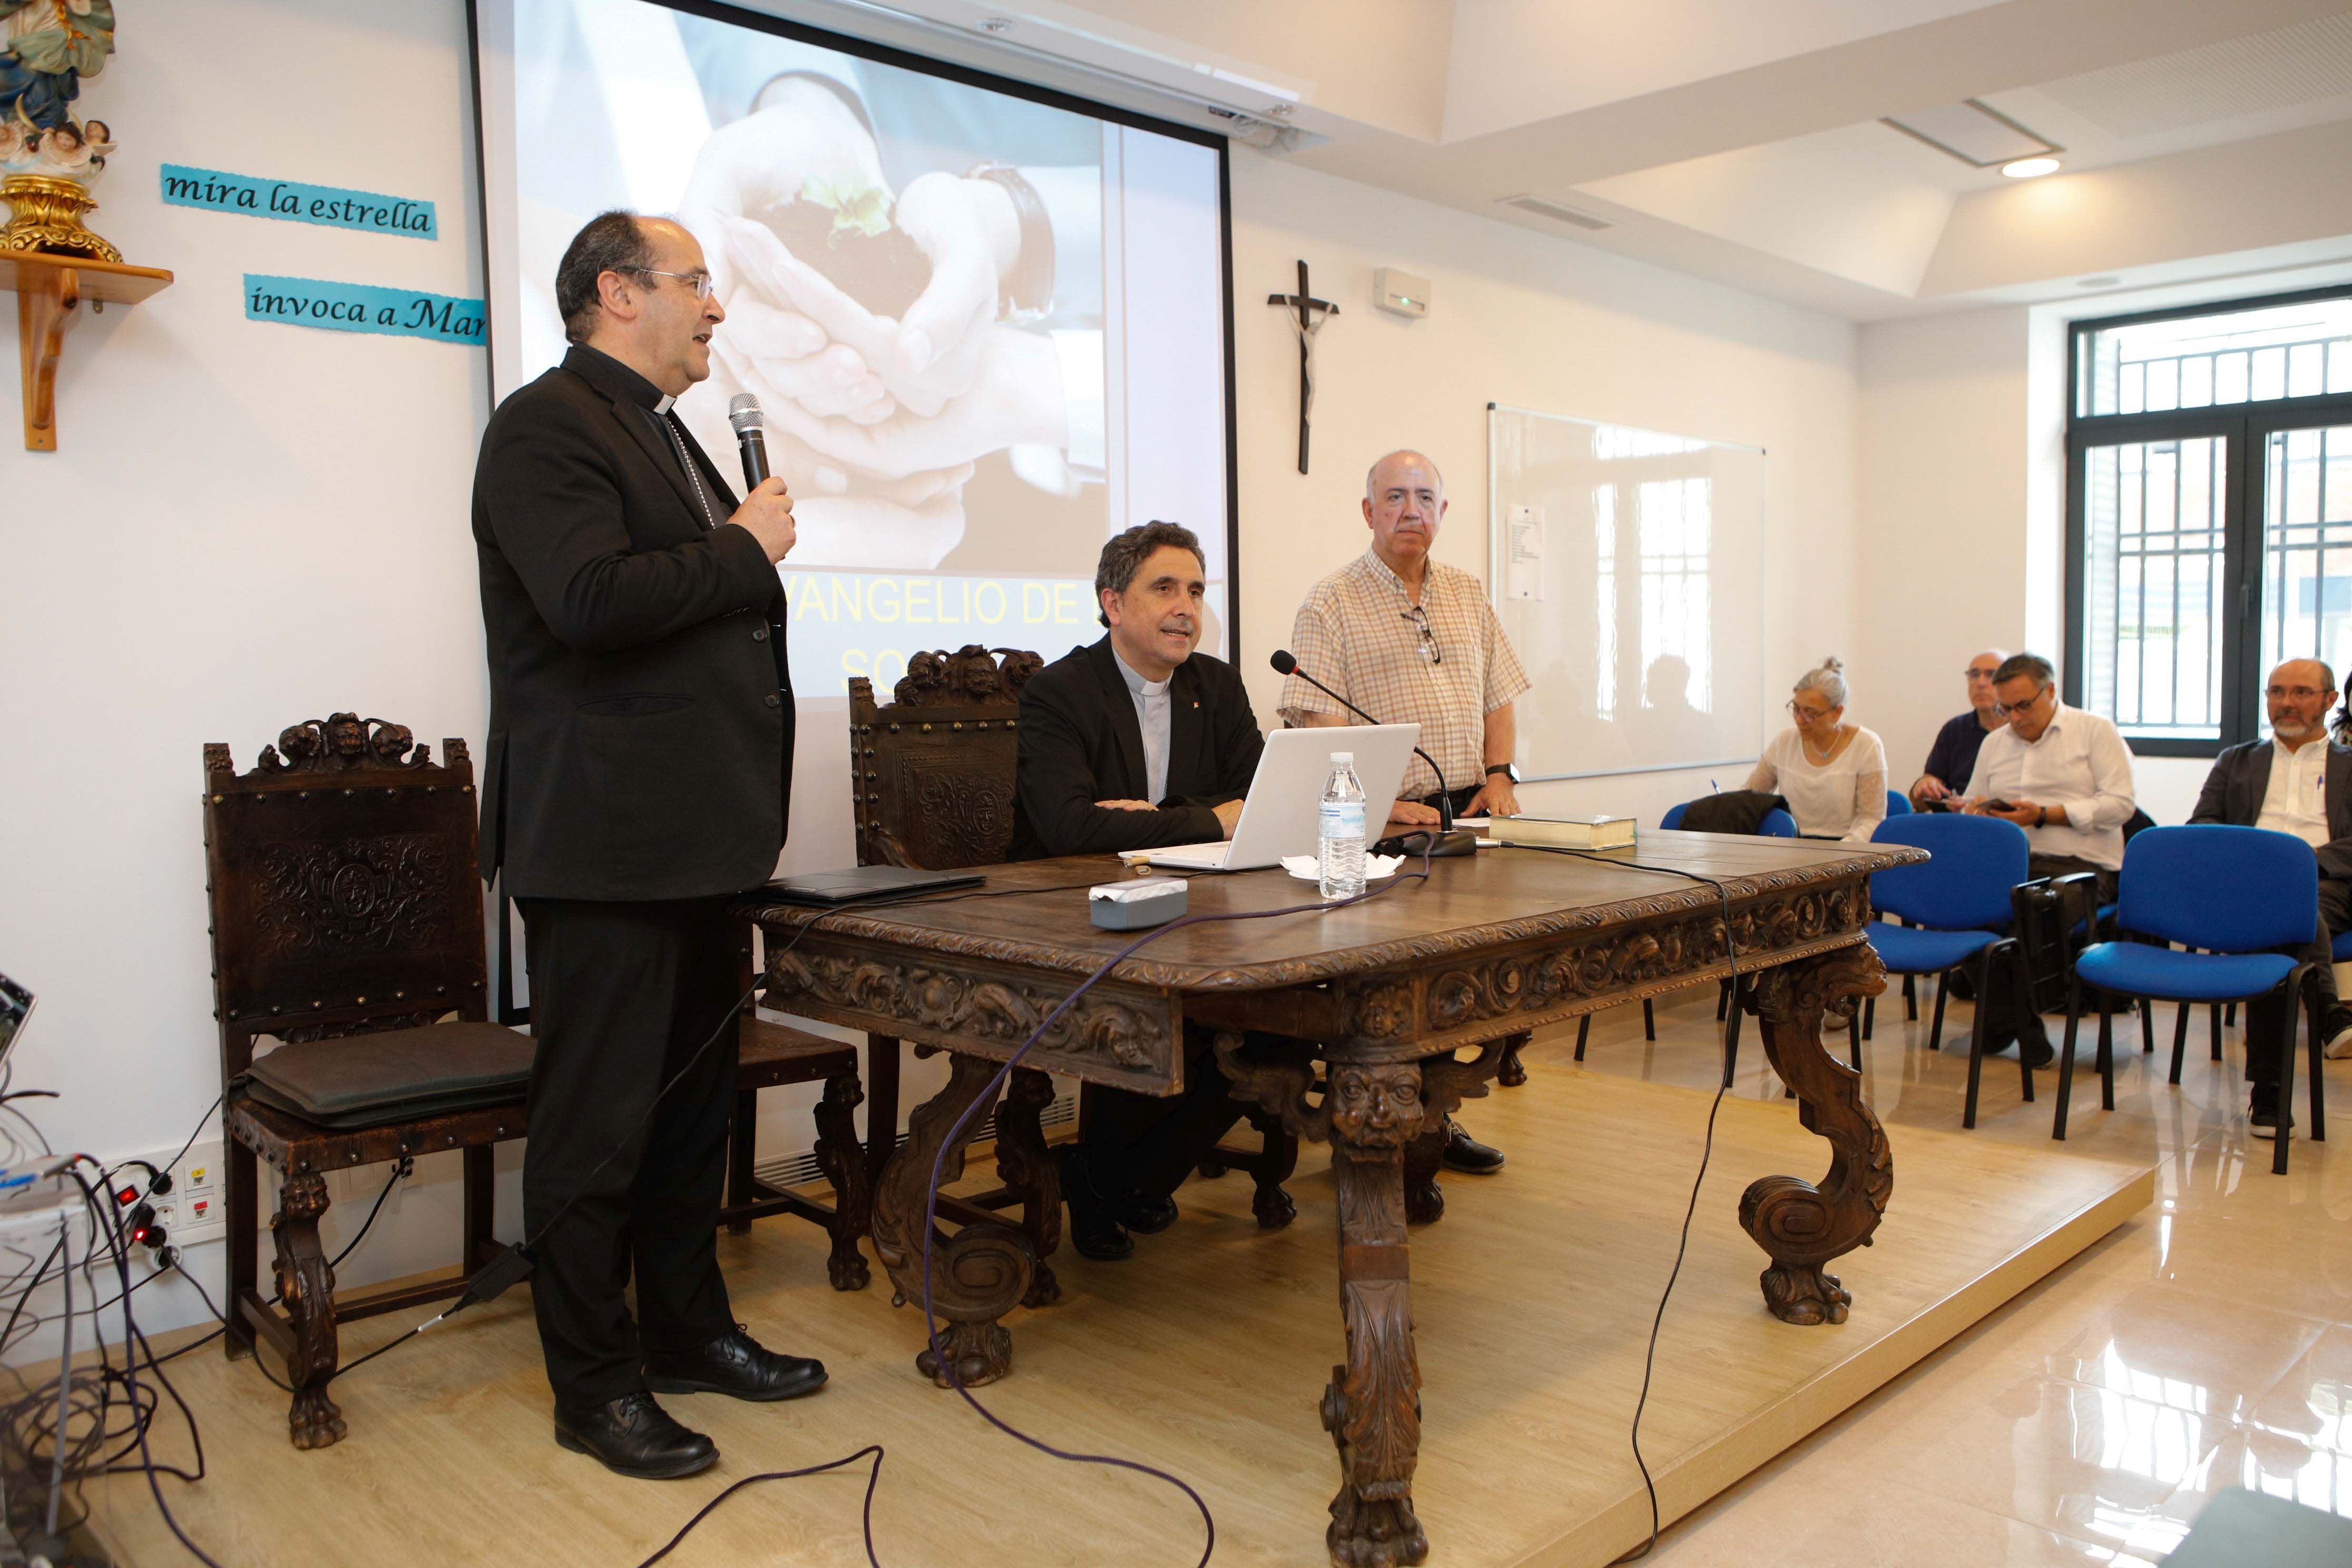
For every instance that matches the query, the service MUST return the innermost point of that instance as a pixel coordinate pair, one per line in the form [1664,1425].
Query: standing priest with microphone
[640,760]
[1411,641]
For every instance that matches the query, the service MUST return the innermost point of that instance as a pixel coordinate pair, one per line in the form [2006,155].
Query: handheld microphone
[743,414]
[1449,840]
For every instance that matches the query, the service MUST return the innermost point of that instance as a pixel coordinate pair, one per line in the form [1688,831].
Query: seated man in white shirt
[2062,774]
[2297,782]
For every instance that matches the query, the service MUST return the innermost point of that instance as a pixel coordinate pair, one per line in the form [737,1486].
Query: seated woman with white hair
[1832,774]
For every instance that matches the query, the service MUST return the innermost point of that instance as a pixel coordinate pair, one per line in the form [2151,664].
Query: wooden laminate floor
[1206,1355]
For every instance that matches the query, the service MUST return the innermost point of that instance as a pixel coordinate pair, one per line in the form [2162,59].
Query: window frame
[2245,429]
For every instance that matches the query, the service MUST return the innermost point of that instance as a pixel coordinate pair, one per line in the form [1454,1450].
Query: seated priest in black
[1137,742]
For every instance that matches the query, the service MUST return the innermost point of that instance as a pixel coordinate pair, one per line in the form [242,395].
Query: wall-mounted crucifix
[1307,315]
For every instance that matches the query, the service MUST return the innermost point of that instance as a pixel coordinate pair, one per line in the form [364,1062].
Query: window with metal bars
[2208,513]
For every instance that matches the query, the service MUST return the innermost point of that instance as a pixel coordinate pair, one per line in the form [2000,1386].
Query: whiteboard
[1627,567]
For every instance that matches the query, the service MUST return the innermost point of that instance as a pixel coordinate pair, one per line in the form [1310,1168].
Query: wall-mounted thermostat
[1400,292]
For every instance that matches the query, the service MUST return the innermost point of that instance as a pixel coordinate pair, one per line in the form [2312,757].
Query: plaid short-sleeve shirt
[1445,665]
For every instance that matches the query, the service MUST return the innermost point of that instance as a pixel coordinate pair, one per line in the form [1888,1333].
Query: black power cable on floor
[1706,1154]
[513,1266]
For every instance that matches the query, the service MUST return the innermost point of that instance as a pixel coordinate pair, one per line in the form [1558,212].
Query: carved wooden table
[1387,995]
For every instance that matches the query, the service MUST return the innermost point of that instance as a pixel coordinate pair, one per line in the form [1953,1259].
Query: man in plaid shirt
[1411,640]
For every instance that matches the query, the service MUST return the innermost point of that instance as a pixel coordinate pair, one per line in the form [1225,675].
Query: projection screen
[988,324]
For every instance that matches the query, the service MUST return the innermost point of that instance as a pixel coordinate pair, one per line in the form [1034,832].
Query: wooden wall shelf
[49,292]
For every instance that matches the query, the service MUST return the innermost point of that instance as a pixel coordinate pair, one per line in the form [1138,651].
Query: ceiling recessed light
[2029,168]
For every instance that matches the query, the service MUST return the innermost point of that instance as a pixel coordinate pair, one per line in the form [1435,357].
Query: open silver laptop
[1282,814]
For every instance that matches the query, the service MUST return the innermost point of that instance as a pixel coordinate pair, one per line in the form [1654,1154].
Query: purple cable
[987,1095]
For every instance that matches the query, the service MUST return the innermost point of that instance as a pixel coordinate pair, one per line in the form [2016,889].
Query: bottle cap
[1347,757]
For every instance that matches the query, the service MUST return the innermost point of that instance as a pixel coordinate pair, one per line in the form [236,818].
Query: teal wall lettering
[296,202]
[363,308]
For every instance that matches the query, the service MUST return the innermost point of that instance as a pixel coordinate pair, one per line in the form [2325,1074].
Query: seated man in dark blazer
[2297,782]
[1137,742]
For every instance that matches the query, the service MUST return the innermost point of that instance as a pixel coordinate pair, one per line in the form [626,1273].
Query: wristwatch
[1508,770]
[1027,294]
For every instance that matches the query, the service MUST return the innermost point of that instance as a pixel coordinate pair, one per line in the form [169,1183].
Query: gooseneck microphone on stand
[743,414]
[1449,840]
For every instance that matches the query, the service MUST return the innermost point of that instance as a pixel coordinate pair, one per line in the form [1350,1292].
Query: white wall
[1943,539]
[249,524]
[1519,318]
[244,525]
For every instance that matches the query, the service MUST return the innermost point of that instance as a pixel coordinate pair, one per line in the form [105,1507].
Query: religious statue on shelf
[48,159]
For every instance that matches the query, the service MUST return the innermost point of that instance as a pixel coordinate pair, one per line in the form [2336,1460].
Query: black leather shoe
[736,1365]
[1147,1215]
[1466,1154]
[634,1437]
[2039,1052]
[2262,1114]
[1094,1230]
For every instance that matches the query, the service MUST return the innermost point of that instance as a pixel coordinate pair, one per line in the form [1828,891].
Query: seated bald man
[1953,757]
[2297,782]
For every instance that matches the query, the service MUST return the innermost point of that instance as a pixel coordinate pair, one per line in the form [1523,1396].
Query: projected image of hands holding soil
[872,325]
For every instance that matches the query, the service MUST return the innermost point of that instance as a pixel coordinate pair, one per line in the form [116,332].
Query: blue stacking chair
[2248,897]
[1898,804]
[1957,907]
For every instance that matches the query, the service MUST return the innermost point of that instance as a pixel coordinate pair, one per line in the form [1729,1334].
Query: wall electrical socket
[190,1211]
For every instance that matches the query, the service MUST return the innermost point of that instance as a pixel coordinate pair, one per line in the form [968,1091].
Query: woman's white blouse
[1844,798]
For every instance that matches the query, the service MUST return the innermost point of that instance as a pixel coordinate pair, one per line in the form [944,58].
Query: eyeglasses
[1980,674]
[2300,694]
[2020,707]
[1803,712]
[701,282]
[1429,649]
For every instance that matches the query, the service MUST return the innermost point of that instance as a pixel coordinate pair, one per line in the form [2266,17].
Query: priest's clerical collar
[1134,677]
[615,379]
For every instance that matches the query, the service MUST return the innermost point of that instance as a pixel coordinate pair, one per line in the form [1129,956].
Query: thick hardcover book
[1564,832]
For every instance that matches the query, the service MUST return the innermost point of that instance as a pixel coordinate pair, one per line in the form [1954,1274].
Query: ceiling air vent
[1556,211]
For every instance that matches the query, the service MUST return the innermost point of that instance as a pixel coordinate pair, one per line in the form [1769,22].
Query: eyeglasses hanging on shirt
[1420,619]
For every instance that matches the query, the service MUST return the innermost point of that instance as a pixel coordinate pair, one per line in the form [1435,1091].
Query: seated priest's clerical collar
[1134,679]
[663,405]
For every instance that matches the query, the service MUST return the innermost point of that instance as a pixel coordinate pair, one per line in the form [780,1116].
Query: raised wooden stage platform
[1531,1302]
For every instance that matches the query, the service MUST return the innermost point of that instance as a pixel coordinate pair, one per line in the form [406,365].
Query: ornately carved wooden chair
[931,778]
[345,907]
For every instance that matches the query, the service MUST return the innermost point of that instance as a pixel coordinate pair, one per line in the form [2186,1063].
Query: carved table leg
[977,1275]
[1372,1407]
[1023,1166]
[843,1160]
[305,1283]
[1424,1201]
[1802,1226]
[1270,1202]
[1513,1074]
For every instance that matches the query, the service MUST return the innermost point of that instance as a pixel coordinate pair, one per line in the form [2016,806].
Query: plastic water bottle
[1341,861]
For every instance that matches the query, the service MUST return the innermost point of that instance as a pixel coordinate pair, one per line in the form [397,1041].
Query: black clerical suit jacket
[2240,777]
[1081,743]
[641,717]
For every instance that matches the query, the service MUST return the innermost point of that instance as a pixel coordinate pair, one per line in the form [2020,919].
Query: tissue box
[1132,906]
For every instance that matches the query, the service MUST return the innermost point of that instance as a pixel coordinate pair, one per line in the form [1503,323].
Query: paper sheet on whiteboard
[1524,543]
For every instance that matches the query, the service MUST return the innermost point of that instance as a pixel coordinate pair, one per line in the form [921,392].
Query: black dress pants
[1148,1143]
[2262,1016]
[622,995]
